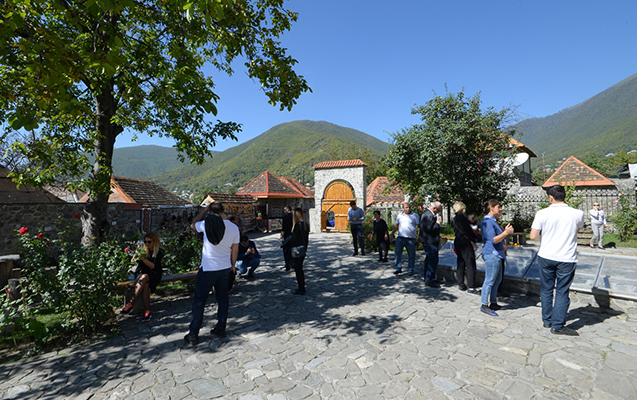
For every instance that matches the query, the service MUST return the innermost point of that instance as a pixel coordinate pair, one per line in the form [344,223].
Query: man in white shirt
[218,258]
[407,227]
[557,227]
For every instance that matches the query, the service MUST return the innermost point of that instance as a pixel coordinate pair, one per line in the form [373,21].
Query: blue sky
[369,62]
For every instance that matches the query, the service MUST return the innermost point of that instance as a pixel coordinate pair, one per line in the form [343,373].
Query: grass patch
[175,288]
[48,333]
[614,238]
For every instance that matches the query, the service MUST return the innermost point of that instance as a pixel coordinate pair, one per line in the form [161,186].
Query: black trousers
[383,248]
[466,263]
[297,264]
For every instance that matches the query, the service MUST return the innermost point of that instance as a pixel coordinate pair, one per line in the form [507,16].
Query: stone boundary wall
[526,200]
[53,218]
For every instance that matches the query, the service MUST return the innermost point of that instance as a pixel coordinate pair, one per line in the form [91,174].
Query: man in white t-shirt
[407,227]
[218,258]
[557,227]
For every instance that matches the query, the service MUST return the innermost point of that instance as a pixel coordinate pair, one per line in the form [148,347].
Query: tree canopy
[459,152]
[77,73]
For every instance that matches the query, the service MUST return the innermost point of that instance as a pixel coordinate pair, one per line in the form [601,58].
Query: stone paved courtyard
[360,332]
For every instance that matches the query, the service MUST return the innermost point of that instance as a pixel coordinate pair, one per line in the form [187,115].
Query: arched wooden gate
[336,200]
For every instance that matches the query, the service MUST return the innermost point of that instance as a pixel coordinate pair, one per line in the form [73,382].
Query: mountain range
[605,123]
[290,149]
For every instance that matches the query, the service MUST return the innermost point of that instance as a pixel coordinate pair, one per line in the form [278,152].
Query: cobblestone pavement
[360,332]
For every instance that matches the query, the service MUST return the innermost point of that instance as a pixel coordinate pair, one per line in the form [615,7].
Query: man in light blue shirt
[355,216]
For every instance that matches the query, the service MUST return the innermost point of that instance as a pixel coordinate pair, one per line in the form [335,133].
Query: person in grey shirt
[355,216]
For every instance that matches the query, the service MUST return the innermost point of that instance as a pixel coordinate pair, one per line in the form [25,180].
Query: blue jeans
[492,278]
[431,262]
[555,276]
[410,244]
[206,280]
[243,265]
[357,237]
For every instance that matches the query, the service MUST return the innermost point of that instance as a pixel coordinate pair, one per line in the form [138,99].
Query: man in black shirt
[382,236]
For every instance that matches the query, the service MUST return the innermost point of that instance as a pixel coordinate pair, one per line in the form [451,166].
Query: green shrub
[625,219]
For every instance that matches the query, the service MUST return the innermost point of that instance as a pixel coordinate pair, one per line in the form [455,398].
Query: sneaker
[355,253]
[495,306]
[488,311]
[432,285]
[362,252]
[299,292]
[397,272]
[128,308]
[473,291]
[147,316]
[191,339]
[462,287]
[564,331]
[385,259]
[250,276]
[218,332]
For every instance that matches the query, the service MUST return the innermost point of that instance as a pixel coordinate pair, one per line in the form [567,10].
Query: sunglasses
[148,241]
[595,205]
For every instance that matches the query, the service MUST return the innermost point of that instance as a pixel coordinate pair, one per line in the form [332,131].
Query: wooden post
[6,268]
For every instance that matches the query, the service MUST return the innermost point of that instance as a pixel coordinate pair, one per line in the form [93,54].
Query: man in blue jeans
[356,216]
[557,227]
[407,227]
[218,258]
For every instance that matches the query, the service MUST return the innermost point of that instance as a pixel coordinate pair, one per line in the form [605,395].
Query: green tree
[458,152]
[80,72]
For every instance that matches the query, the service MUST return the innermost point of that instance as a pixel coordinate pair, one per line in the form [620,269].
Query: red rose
[76,215]
[40,236]
[48,243]
[23,230]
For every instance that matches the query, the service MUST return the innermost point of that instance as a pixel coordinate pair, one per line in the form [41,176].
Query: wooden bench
[128,287]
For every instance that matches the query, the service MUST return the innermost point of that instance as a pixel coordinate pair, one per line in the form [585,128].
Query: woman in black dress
[465,244]
[149,272]
[298,245]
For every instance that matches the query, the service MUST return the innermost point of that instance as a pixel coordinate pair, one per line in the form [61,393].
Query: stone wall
[526,200]
[355,176]
[53,218]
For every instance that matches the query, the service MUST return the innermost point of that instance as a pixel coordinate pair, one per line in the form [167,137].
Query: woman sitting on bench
[148,272]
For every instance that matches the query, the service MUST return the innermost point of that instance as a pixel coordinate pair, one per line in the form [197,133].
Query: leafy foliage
[81,72]
[458,152]
[80,286]
[625,219]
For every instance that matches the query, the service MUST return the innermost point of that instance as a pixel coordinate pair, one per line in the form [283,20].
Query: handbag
[298,251]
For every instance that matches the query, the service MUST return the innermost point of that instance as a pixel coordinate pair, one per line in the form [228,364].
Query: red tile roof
[139,191]
[231,199]
[574,170]
[376,192]
[340,164]
[268,185]
[298,186]
[11,193]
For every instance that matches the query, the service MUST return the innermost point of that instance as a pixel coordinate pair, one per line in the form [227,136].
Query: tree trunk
[95,225]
